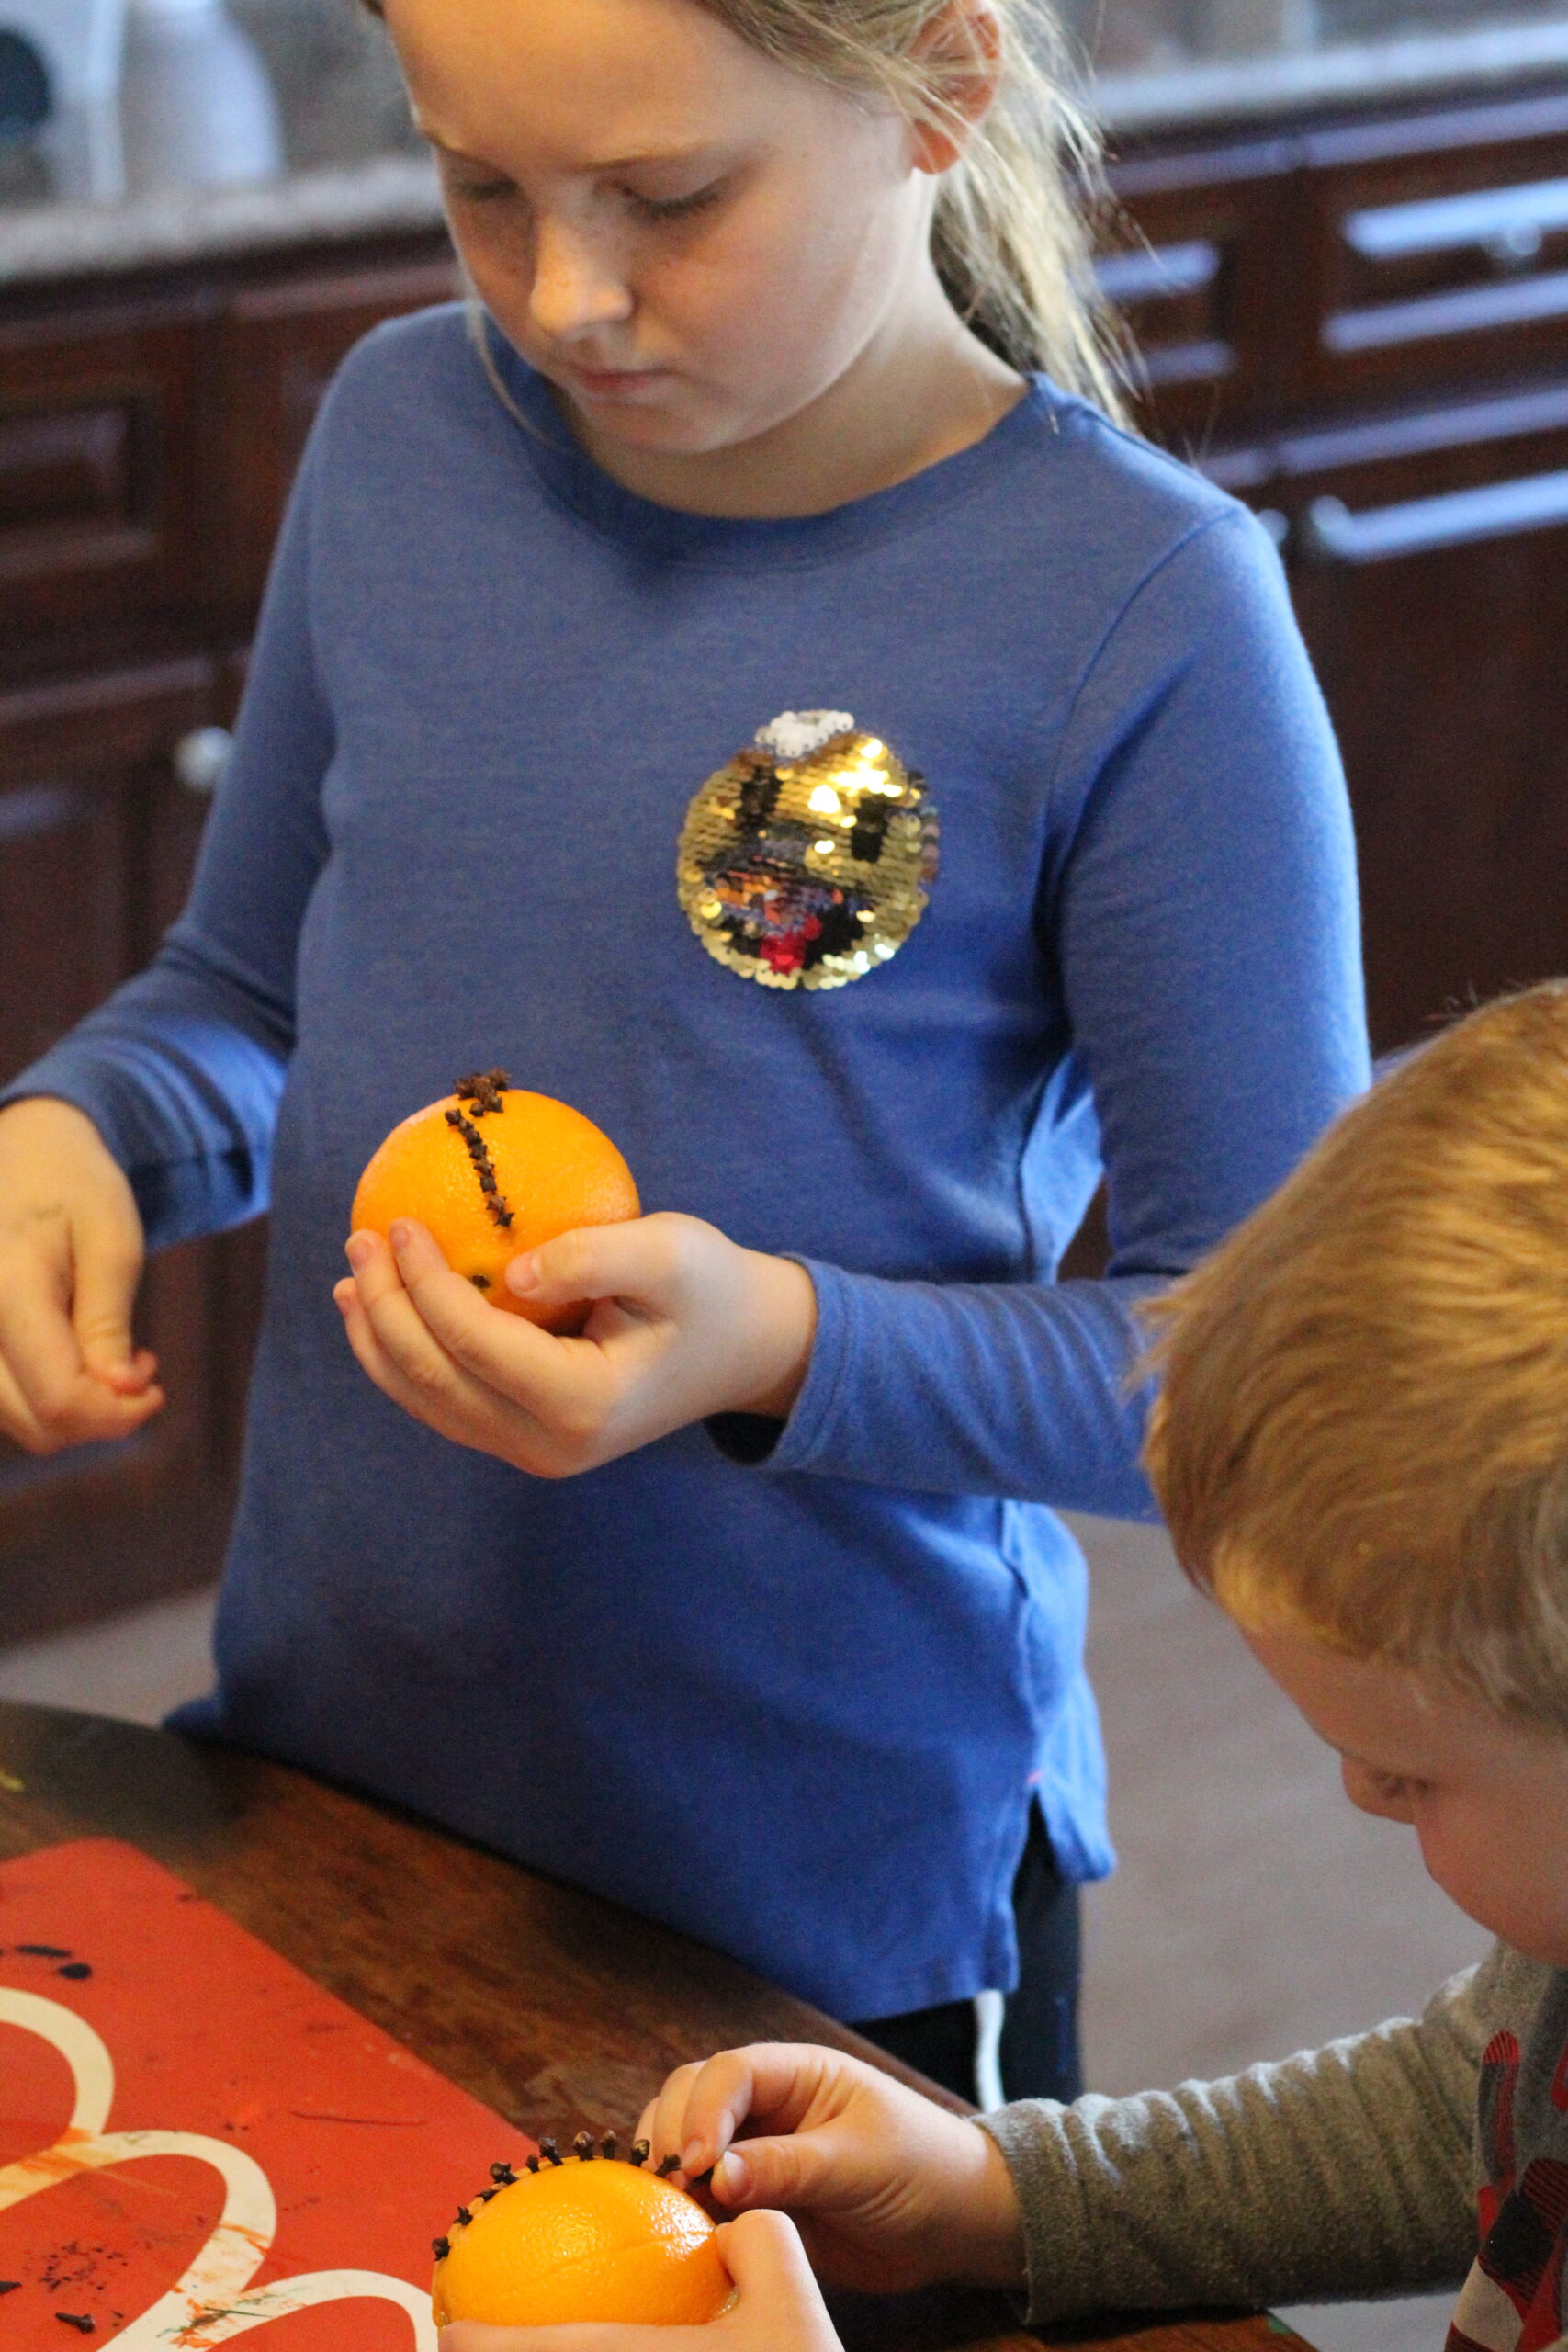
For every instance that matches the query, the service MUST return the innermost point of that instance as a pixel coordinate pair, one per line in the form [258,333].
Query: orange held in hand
[493,1170]
[579,2240]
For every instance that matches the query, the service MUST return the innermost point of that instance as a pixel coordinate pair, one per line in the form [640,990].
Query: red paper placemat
[196,2141]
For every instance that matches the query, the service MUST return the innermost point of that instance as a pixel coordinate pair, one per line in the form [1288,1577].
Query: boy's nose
[575,287]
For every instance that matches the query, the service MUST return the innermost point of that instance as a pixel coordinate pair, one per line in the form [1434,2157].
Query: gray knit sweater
[1353,2170]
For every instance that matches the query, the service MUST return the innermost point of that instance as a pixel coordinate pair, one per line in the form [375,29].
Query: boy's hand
[684,1323]
[889,2190]
[779,2308]
[71,1254]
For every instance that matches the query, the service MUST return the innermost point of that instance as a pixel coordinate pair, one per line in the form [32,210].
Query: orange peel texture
[493,1170]
[583,2241]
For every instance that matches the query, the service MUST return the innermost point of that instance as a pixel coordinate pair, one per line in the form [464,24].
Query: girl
[751,689]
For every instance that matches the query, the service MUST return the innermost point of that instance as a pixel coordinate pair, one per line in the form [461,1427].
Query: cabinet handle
[1157,272]
[1331,533]
[1511,224]
[201,757]
[39,808]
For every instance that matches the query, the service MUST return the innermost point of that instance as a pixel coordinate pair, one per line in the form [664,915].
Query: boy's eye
[676,207]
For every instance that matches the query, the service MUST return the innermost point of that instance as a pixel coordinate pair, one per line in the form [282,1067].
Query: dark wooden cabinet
[148,436]
[100,473]
[1363,329]
[1432,581]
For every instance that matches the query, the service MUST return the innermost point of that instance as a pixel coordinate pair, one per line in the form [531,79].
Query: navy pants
[1039,2053]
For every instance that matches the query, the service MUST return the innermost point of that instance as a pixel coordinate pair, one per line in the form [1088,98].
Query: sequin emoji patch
[806,860]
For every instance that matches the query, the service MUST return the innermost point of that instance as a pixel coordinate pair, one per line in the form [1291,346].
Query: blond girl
[743,679]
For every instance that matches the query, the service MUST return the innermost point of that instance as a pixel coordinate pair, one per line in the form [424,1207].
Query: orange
[494,1171]
[582,2241]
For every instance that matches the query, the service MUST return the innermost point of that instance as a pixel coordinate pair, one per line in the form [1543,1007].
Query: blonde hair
[1010,235]
[1363,1431]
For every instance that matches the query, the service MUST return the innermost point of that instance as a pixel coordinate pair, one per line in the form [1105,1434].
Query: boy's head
[1361,1449]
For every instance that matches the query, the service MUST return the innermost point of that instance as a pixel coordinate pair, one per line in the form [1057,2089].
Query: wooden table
[558,2010]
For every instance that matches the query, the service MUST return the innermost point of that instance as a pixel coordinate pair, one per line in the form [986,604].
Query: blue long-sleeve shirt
[798,1707]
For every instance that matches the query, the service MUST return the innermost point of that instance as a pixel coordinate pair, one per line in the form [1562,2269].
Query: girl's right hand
[71,1258]
[888,2190]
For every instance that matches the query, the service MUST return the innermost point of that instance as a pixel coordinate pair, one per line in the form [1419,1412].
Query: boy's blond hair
[1363,1431]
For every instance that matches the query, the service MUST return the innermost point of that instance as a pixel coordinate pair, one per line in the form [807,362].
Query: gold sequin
[806,868]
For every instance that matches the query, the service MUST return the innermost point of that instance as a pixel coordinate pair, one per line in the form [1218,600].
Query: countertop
[351,166]
[1172,64]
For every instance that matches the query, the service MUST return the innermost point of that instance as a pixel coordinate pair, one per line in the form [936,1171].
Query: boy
[1361,1450]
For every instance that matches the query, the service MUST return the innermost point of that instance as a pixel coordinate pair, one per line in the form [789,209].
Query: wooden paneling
[100,473]
[71,468]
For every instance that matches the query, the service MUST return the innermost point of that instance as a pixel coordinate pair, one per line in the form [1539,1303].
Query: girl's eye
[676,207]
[480,192]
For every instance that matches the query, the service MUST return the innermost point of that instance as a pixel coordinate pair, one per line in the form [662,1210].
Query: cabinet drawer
[1443,256]
[1420,481]
[99,474]
[1194,274]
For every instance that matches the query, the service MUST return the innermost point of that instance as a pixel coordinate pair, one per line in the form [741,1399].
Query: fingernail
[731,2177]
[400,1233]
[358,1251]
[522,1274]
[691,2159]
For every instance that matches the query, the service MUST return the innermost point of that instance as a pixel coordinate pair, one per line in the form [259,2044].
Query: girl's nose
[576,287]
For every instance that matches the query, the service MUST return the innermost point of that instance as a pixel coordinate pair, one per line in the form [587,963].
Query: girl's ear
[961,50]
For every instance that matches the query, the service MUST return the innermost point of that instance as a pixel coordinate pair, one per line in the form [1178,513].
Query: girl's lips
[610,383]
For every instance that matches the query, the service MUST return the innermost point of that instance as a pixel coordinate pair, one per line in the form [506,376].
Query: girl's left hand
[684,1323]
[779,2308]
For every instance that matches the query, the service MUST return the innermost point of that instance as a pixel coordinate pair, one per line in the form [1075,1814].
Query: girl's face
[690,241]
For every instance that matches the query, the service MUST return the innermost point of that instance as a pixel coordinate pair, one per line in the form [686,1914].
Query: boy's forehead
[1379,1715]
